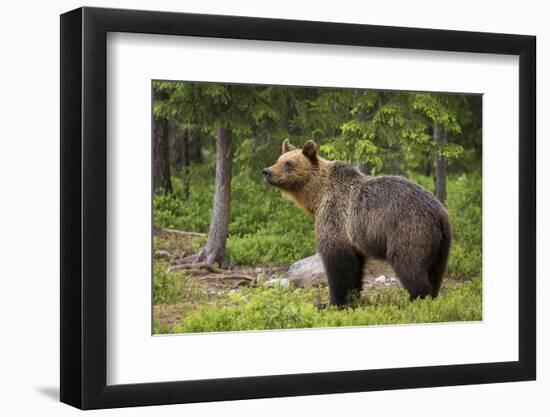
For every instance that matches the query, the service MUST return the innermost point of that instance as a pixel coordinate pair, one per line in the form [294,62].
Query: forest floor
[197,297]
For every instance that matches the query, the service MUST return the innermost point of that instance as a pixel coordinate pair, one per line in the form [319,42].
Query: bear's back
[375,192]
[377,210]
[394,192]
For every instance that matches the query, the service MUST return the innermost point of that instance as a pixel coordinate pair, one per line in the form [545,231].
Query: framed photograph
[258,208]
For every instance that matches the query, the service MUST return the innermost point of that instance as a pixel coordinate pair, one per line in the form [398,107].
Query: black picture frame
[84,207]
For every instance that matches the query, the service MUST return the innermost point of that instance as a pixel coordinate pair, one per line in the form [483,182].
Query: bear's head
[294,168]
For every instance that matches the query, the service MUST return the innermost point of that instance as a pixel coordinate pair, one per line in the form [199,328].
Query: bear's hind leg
[344,272]
[415,280]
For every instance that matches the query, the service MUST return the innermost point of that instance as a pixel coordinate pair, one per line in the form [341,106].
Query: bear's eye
[288,166]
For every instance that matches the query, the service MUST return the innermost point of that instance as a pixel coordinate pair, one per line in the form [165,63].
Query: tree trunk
[161,153]
[214,250]
[176,132]
[440,166]
[194,144]
[428,164]
[185,164]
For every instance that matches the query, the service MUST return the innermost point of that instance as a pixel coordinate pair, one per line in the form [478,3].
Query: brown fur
[357,216]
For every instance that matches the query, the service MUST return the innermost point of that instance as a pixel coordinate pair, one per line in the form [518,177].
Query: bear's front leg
[344,272]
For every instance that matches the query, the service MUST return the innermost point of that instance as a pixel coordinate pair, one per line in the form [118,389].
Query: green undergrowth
[261,308]
[173,287]
[265,229]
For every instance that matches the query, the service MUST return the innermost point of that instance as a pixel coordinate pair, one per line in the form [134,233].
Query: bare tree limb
[201,265]
[228,277]
[184,233]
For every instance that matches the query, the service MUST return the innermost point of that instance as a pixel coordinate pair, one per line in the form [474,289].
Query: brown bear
[359,216]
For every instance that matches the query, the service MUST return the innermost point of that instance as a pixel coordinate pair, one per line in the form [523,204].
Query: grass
[174,287]
[183,304]
[263,308]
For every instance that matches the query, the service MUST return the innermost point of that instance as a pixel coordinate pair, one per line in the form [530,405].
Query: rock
[393,279]
[280,282]
[381,279]
[284,282]
[308,271]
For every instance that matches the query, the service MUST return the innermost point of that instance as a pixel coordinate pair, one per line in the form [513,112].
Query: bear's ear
[310,149]
[287,147]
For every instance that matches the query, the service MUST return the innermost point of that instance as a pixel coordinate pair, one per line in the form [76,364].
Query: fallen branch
[164,254]
[194,266]
[234,280]
[184,233]
[228,277]
[190,271]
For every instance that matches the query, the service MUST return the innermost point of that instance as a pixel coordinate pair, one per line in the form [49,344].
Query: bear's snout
[266,173]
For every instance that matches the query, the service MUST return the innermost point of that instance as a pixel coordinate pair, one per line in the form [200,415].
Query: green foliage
[238,108]
[382,130]
[193,214]
[269,248]
[464,197]
[263,308]
[257,309]
[265,229]
[166,286]
[174,287]
[442,108]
